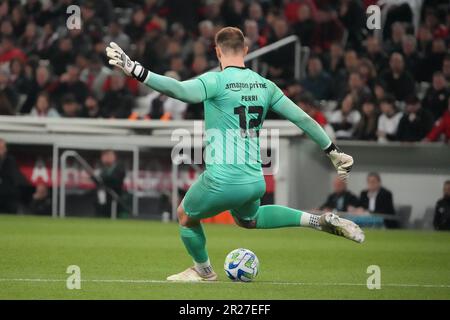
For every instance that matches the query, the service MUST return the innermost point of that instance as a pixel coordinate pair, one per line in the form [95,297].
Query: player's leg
[198,203]
[194,240]
[253,216]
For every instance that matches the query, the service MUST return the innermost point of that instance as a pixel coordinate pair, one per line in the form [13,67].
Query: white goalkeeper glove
[341,161]
[119,59]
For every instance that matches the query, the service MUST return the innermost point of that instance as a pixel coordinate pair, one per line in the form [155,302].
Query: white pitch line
[320,284]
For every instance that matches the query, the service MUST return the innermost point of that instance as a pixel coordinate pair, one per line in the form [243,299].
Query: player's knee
[247,224]
[182,216]
[184,220]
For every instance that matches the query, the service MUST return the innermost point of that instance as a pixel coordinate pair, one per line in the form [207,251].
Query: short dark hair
[230,39]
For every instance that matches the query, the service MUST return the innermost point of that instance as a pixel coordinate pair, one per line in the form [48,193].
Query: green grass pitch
[127,259]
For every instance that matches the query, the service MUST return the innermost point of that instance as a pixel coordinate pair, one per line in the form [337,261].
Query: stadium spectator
[344,119]
[70,107]
[8,95]
[278,60]
[441,128]
[366,129]
[118,101]
[318,82]
[436,97]
[357,88]
[18,77]
[377,199]
[394,44]
[441,219]
[335,59]
[62,55]
[9,51]
[28,40]
[41,203]
[92,23]
[352,16]
[9,181]
[434,59]
[199,65]
[41,82]
[415,123]
[341,199]
[398,81]
[351,61]
[375,53]
[254,39]
[91,108]
[116,34]
[368,74]
[413,61]
[111,176]
[70,82]
[388,120]
[95,75]
[43,107]
[379,91]
[305,26]
[424,37]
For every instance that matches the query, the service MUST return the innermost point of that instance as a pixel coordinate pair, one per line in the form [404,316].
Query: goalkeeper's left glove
[341,161]
[119,59]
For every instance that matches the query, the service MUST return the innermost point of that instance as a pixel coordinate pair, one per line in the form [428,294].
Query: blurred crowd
[358,84]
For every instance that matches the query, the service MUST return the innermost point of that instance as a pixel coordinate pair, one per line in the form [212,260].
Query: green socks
[195,242]
[270,217]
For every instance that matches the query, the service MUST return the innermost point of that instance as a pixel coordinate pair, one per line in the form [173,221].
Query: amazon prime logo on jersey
[238,86]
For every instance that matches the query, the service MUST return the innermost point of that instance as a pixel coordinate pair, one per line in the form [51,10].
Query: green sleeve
[289,110]
[190,91]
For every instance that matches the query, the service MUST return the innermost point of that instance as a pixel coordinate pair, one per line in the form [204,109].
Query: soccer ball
[241,265]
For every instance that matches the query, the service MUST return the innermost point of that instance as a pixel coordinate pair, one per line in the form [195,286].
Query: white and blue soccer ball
[241,265]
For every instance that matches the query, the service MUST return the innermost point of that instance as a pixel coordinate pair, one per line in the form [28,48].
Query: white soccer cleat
[191,275]
[332,223]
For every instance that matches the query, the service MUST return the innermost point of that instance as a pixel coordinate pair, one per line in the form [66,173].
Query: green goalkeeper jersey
[236,102]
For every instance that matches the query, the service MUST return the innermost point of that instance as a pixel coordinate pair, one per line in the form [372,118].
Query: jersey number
[252,130]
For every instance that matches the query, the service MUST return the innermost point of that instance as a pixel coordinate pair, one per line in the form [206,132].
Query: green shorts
[207,198]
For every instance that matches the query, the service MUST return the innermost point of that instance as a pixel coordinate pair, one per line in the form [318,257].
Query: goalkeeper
[236,98]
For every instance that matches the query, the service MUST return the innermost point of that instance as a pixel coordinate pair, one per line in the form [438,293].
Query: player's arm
[289,110]
[190,91]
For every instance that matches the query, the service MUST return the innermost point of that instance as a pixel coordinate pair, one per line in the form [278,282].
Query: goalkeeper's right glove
[119,59]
